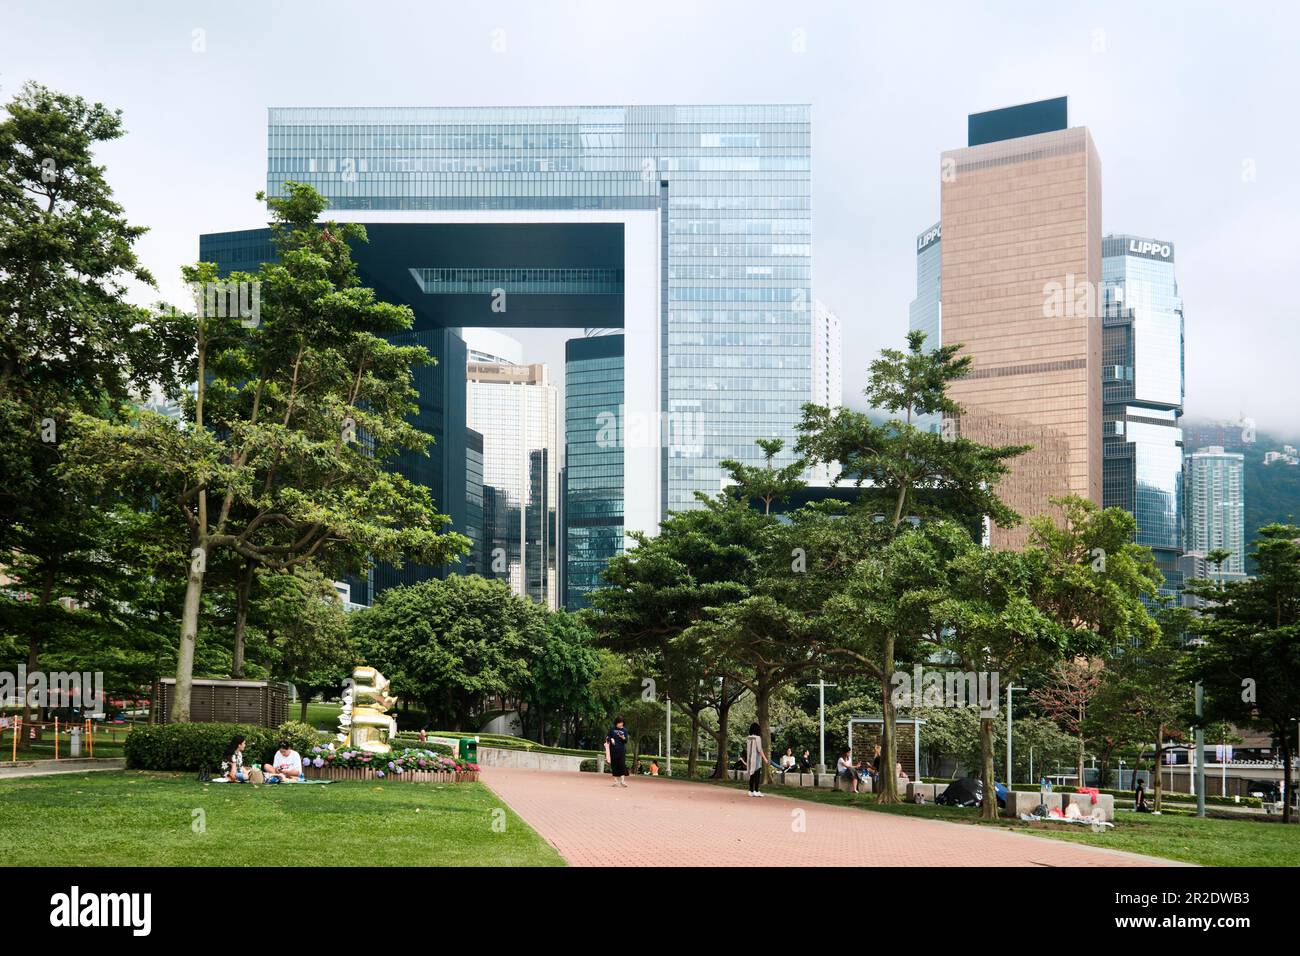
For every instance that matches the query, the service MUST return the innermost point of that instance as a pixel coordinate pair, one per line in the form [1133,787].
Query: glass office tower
[1142,394]
[513,408]
[925,314]
[732,184]
[593,458]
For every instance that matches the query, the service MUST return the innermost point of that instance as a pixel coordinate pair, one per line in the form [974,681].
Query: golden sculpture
[368,726]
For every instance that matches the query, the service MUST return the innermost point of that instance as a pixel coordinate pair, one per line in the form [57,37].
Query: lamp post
[1200,751]
[669,701]
[1009,690]
[821,686]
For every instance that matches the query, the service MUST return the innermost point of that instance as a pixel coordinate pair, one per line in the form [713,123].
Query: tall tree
[1072,685]
[69,343]
[1248,654]
[294,413]
[903,472]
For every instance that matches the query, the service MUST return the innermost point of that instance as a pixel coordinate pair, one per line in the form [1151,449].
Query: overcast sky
[1193,108]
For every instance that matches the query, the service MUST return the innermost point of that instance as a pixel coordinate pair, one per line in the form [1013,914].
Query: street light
[821,686]
[1009,690]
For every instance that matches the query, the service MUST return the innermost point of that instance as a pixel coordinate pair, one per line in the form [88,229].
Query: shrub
[415,744]
[190,746]
[396,762]
[201,746]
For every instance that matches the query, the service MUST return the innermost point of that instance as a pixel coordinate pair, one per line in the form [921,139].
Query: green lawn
[1214,841]
[134,818]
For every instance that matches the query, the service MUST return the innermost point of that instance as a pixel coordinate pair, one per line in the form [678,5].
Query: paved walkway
[674,823]
[45,768]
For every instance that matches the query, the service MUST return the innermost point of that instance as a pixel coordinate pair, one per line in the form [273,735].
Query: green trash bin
[469,749]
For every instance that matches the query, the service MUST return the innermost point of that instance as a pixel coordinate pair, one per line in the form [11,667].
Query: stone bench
[1084,802]
[1024,801]
[927,790]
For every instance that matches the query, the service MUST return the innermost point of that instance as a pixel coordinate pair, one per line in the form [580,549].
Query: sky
[1193,107]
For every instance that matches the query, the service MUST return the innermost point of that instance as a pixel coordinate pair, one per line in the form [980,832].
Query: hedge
[202,746]
[414,743]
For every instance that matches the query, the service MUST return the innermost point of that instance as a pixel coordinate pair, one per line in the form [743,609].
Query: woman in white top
[787,761]
[845,770]
[754,759]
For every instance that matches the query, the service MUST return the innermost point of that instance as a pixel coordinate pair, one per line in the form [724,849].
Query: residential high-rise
[513,407]
[1020,214]
[1216,506]
[593,457]
[1142,395]
[827,376]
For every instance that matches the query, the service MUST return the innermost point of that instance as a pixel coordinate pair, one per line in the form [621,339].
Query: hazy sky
[1193,107]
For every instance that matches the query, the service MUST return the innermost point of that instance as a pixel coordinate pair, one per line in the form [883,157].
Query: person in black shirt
[616,752]
[805,763]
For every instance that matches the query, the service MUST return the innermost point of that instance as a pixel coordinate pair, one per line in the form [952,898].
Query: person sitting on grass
[285,765]
[232,764]
[845,770]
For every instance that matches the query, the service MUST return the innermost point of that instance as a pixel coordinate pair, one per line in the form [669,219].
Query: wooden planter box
[407,776]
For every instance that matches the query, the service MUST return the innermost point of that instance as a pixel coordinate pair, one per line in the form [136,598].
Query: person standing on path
[616,752]
[754,759]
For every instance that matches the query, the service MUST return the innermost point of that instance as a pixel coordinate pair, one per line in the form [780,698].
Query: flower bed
[411,765]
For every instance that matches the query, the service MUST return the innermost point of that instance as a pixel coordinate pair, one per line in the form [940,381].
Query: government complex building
[685,231]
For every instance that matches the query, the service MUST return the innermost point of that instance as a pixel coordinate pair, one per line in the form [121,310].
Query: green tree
[1248,655]
[449,644]
[306,630]
[902,473]
[557,681]
[281,459]
[69,343]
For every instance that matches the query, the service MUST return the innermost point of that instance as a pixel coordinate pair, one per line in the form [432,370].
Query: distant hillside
[1272,491]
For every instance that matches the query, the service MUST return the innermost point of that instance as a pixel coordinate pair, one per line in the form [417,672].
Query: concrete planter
[1020,801]
[1105,801]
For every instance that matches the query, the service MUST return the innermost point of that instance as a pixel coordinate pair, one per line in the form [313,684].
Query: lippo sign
[1151,249]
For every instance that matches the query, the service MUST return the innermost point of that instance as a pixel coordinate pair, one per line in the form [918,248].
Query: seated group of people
[285,765]
[853,773]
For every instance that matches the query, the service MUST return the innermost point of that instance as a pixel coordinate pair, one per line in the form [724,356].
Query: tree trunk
[1079,768]
[693,755]
[180,710]
[724,717]
[1286,775]
[989,808]
[302,707]
[243,589]
[888,780]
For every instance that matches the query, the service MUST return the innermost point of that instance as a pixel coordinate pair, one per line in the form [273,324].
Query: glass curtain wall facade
[1142,395]
[513,408]
[925,313]
[593,458]
[733,184]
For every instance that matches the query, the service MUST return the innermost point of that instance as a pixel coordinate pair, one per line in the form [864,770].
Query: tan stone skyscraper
[1020,210]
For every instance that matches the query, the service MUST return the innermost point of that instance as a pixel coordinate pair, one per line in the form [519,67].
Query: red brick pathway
[667,822]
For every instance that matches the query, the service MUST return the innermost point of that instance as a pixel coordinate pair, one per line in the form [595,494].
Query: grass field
[1214,841]
[133,818]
